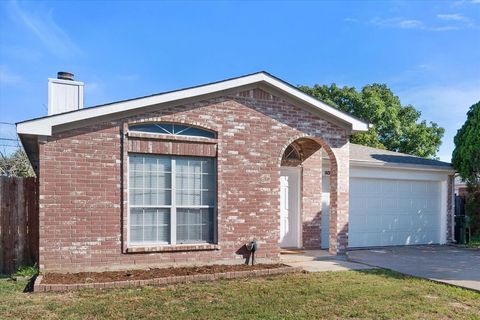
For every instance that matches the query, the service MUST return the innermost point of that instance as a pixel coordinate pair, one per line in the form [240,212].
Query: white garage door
[386,212]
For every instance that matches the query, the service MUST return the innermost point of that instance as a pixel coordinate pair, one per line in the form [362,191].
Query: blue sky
[428,52]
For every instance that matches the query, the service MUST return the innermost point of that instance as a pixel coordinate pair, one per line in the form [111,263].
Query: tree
[466,155]
[394,127]
[16,164]
[466,160]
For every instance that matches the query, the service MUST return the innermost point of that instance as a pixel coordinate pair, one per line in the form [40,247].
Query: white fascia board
[44,126]
[401,166]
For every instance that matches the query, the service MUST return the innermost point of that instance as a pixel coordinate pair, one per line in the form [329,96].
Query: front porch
[314,189]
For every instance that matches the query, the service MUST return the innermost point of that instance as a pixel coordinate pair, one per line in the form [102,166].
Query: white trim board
[43,126]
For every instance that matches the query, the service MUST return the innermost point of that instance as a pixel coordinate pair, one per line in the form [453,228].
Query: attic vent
[171,128]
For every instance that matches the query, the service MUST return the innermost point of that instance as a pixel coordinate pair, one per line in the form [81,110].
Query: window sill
[175,248]
[169,137]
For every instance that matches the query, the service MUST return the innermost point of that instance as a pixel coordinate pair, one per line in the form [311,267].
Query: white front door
[290,207]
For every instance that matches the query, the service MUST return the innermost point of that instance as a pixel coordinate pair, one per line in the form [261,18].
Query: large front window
[171,199]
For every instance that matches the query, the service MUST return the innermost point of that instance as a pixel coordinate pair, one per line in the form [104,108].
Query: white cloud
[452,17]
[44,27]
[409,24]
[456,21]
[398,23]
[444,28]
[7,77]
[354,20]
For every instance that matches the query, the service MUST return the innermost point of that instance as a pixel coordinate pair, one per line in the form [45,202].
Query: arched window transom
[172,128]
[291,153]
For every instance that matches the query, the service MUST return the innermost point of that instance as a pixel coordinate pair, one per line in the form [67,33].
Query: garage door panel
[404,189]
[372,203]
[373,187]
[359,203]
[389,187]
[393,212]
[389,204]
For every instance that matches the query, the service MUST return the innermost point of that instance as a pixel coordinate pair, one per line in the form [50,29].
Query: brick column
[339,193]
[312,200]
[450,207]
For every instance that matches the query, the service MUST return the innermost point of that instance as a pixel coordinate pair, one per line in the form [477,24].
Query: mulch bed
[112,276]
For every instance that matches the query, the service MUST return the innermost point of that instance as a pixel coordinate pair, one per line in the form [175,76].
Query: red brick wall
[312,200]
[82,206]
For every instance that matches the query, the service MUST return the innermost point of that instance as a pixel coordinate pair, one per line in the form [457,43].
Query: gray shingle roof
[363,153]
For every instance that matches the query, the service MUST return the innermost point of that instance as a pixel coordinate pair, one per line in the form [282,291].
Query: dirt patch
[111,276]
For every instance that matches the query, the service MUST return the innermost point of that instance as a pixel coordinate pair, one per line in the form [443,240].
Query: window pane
[136,234]
[150,164]
[182,165]
[136,217]
[150,234]
[163,225]
[136,179]
[207,166]
[136,197]
[150,217]
[164,180]
[149,225]
[169,128]
[136,163]
[165,127]
[151,180]
[164,197]
[192,182]
[150,197]
[208,198]
[199,133]
[164,164]
[194,225]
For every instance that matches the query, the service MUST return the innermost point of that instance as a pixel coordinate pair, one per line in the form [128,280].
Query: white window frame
[172,207]
[182,132]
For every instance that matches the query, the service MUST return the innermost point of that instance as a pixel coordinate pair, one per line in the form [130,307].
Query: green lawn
[474,242]
[373,294]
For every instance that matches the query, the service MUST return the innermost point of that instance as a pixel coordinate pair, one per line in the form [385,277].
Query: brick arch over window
[339,188]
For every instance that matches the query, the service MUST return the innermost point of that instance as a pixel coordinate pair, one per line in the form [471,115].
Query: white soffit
[43,126]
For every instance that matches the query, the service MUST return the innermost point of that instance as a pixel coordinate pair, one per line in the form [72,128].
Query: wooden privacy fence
[18,223]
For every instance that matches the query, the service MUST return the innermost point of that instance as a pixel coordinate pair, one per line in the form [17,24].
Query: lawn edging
[39,287]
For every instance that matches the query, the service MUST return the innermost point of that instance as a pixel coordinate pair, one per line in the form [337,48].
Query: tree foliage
[466,160]
[16,164]
[394,127]
[466,155]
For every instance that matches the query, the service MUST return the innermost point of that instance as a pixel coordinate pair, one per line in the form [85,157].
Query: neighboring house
[461,188]
[190,176]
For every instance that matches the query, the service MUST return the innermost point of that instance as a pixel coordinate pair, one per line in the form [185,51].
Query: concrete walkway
[320,261]
[448,264]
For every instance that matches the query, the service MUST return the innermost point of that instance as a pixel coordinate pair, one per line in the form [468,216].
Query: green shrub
[26,271]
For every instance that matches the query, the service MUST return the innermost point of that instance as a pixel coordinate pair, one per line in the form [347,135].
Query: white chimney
[64,94]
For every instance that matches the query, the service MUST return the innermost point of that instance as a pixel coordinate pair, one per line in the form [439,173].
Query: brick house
[190,176]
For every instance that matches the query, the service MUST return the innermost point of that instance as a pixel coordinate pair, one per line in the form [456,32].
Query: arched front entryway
[301,194]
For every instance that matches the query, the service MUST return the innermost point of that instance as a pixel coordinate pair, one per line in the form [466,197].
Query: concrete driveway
[448,264]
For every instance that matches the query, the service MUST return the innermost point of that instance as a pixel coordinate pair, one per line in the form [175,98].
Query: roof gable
[43,126]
